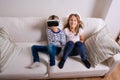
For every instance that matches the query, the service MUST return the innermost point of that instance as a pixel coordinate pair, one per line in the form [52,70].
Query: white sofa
[28,31]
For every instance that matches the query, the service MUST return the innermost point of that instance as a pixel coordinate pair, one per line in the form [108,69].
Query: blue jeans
[50,49]
[74,49]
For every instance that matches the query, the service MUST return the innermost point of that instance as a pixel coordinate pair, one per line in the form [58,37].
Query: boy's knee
[33,47]
[51,49]
[50,46]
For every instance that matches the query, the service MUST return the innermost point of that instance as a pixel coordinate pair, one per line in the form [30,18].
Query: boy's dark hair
[52,17]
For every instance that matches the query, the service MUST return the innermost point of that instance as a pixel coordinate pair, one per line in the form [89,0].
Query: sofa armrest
[113,63]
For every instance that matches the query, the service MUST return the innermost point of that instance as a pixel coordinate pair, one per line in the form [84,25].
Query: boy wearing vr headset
[56,41]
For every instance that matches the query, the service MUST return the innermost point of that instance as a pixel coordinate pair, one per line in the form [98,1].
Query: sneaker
[87,64]
[34,65]
[51,69]
[61,64]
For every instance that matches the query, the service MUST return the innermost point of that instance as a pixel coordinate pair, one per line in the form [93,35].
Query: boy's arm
[49,36]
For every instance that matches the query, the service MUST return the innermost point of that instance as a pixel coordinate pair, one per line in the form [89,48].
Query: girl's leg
[67,50]
[80,49]
[36,49]
[52,52]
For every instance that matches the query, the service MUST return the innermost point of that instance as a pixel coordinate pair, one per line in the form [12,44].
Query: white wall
[62,8]
[101,9]
[113,18]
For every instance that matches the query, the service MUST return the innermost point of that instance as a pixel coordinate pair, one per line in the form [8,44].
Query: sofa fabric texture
[8,49]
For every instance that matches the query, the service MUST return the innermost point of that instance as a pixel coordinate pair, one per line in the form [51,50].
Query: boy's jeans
[74,49]
[50,49]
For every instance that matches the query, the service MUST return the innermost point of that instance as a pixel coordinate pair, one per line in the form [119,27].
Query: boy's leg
[36,60]
[52,52]
[58,50]
[36,49]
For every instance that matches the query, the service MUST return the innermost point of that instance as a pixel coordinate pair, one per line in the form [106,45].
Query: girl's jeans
[74,49]
[50,49]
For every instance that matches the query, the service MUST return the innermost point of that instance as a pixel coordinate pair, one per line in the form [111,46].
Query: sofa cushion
[8,50]
[100,46]
[27,29]
[18,68]
[73,68]
[92,25]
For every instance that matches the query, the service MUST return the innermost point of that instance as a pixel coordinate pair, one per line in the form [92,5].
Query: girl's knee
[78,44]
[70,43]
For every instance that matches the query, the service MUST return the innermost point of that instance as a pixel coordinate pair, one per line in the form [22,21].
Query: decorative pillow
[8,50]
[100,46]
[118,38]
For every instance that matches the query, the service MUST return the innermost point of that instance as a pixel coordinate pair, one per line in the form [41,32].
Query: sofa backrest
[32,29]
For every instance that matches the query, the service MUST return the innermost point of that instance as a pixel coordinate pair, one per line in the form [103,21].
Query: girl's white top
[71,36]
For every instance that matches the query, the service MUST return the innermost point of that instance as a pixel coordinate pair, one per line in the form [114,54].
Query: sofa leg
[102,76]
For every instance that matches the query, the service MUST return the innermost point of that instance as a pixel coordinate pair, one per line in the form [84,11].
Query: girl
[75,40]
[56,39]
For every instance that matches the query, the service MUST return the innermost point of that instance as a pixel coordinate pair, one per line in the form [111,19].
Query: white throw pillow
[8,50]
[100,46]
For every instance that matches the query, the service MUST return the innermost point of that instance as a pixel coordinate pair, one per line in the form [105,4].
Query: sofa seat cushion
[18,67]
[73,67]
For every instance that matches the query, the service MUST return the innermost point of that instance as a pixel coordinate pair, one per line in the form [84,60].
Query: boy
[56,41]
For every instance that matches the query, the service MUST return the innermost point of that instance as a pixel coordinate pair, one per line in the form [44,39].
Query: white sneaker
[34,65]
[51,68]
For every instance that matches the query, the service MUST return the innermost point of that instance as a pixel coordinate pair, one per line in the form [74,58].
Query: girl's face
[73,22]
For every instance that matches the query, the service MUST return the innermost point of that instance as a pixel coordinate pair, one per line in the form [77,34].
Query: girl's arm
[82,38]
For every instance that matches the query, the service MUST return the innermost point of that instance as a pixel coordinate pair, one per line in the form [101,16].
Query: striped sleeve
[49,35]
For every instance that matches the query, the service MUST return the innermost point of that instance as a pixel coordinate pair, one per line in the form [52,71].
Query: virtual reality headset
[51,23]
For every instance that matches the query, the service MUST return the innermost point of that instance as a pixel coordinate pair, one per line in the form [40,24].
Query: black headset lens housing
[52,23]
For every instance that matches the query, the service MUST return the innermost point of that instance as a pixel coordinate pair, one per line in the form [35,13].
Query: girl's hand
[82,38]
[82,41]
